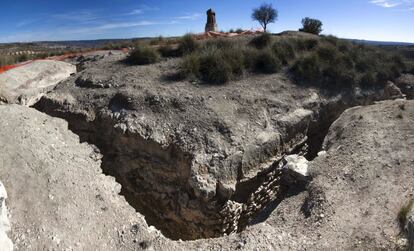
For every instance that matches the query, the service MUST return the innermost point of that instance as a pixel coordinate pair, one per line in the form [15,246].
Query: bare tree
[265,14]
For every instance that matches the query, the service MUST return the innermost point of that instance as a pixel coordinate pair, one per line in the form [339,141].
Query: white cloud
[109,26]
[80,16]
[25,22]
[406,4]
[190,16]
[134,12]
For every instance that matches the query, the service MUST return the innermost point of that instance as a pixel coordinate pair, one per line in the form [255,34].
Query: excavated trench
[155,180]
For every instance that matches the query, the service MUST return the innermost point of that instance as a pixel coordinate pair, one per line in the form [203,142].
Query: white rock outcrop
[26,84]
[5,243]
[410,229]
[297,165]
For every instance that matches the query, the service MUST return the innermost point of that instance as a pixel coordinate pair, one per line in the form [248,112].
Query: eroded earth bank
[205,161]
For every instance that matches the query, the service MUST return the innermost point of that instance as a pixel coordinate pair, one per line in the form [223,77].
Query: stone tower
[211,24]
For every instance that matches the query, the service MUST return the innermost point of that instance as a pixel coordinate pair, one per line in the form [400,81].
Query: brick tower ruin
[211,24]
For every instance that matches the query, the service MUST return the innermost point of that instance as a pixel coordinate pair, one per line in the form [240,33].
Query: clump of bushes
[327,62]
[403,213]
[239,30]
[214,69]
[262,40]
[307,69]
[219,43]
[157,41]
[167,51]
[221,60]
[331,39]
[305,44]
[266,62]
[190,66]
[284,51]
[188,44]
[143,55]
[336,63]
[213,65]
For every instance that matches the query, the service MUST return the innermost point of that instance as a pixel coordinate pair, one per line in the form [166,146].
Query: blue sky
[34,20]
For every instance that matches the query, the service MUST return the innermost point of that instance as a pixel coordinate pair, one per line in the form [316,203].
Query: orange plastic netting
[200,36]
[59,58]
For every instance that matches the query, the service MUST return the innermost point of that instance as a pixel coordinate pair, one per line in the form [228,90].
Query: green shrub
[337,75]
[235,59]
[398,61]
[328,53]
[219,43]
[190,66]
[261,41]
[213,69]
[331,39]
[188,44]
[384,75]
[22,58]
[307,69]
[284,51]
[168,51]
[266,62]
[403,213]
[365,64]
[310,25]
[368,79]
[143,55]
[157,41]
[239,30]
[344,47]
[250,53]
[306,44]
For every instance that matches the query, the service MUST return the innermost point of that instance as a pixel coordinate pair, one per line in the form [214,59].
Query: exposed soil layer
[353,200]
[197,161]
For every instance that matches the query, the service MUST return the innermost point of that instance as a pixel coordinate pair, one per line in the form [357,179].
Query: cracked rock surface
[5,242]
[58,197]
[26,84]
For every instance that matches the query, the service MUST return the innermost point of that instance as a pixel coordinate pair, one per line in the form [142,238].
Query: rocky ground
[210,158]
[358,187]
[201,152]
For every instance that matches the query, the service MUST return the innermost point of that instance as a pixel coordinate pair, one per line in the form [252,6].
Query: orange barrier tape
[58,58]
[201,36]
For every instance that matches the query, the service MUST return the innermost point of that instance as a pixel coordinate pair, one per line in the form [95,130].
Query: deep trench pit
[155,180]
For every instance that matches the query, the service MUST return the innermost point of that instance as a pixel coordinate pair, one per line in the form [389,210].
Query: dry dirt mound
[26,84]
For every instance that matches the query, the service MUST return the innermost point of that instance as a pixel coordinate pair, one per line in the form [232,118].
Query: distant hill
[380,43]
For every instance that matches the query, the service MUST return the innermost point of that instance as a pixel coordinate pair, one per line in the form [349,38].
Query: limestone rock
[58,197]
[5,243]
[26,84]
[297,166]
[391,91]
[406,84]
[410,229]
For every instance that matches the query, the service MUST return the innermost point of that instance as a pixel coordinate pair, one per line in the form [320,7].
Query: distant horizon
[154,37]
[76,20]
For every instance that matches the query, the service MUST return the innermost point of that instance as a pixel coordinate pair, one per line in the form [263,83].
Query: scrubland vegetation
[14,59]
[324,61]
